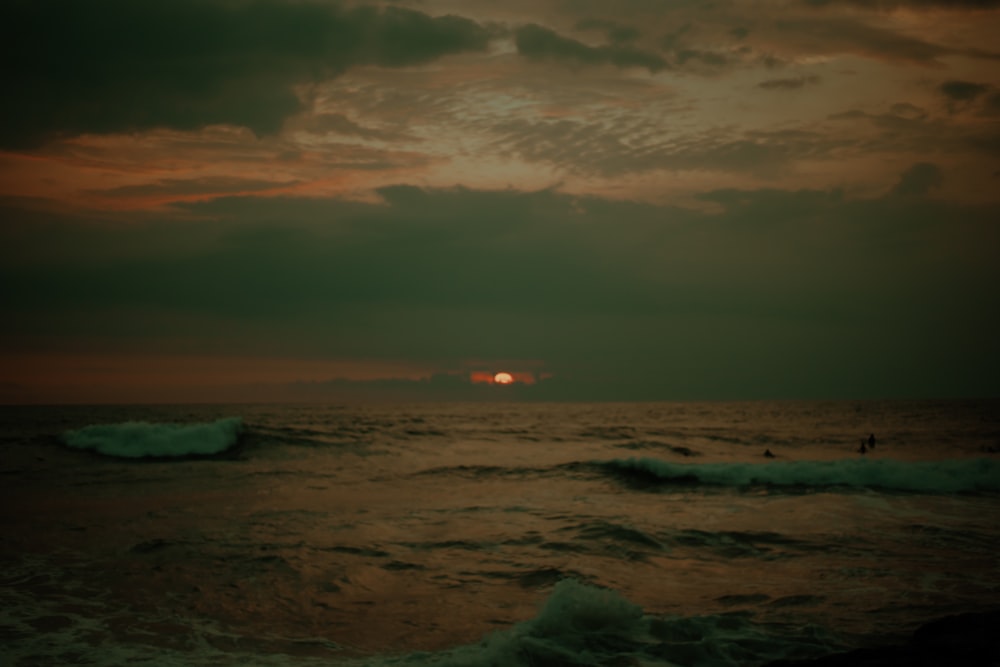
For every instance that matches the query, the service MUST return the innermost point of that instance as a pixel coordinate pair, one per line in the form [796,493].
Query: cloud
[840,35]
[992,106]
[616,33]
[788,84]
[539,43]
[336,123]
[888,5]
[675,44]
[622,146]
[772,289]
[116,65]
[919,180]
[179,188]
[962,91]
[908,129]
[907,111]
[712,58]
[978,99]
[672,40]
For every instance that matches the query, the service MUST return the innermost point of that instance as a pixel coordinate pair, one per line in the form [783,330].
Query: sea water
[491,533]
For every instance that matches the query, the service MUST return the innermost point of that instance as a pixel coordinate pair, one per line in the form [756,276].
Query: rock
[969,640]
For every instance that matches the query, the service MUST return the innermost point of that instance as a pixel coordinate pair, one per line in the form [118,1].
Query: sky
[310,200]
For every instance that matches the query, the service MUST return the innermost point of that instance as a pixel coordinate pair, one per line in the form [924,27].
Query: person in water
[871,441]
[862,449]
[768,454]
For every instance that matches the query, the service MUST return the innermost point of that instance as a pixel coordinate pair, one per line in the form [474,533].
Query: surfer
[768,454]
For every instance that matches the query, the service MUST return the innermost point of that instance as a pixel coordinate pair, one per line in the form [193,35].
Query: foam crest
[950,476]
[577,625]
[143,439]
[581,625]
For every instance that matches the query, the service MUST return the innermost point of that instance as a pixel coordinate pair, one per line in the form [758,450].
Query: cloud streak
[540,43]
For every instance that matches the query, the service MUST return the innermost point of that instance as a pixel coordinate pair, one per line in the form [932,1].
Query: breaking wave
[582,625]
[950,476]
[142,439]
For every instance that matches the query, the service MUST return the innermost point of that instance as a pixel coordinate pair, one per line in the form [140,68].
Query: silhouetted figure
[768,454]
[862,449]
[871,441]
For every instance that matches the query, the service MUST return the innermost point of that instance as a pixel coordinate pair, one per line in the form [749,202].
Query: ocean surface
[490,534]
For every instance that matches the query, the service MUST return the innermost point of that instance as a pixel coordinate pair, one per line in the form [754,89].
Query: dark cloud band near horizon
[647,298]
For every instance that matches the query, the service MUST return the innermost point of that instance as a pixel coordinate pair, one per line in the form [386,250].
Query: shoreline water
[434,533]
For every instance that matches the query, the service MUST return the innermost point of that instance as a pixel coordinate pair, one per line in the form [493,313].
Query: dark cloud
[847,35]
[992,105]
[962,91]
[919,180]
[672,40]
[675,44]
[794,291]
[834,35]
[118,65]
[897,119]
[771,61]
[887,5]
[907,129]
[616,33]
[539,43]
[966,96]
[712,58]
[788,84]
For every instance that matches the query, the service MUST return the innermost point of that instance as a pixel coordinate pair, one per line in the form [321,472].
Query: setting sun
[503,378]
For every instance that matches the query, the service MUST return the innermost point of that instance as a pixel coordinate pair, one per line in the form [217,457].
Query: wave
[145,440]
[656,444]
[950,476]
[257,435]
[580,625]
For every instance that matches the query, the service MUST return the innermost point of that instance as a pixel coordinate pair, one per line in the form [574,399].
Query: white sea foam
[142,439]
[577,621]
[947,476]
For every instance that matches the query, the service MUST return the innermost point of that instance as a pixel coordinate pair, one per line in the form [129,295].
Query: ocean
[491,533]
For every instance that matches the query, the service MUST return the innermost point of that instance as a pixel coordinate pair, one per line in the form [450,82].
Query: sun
[503,378]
